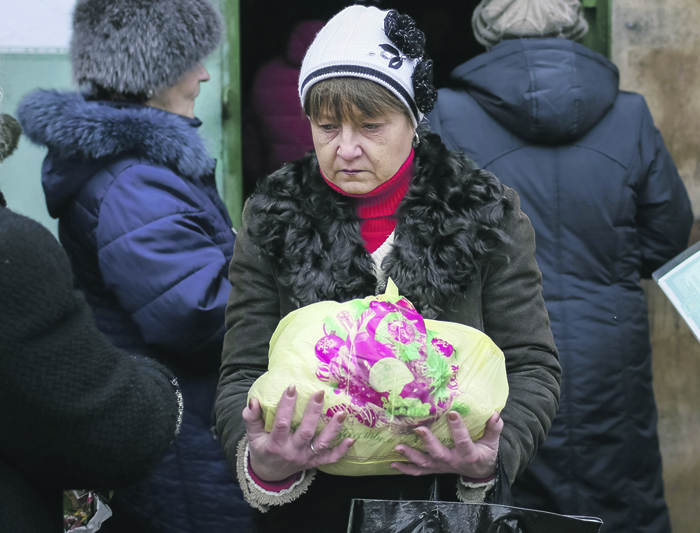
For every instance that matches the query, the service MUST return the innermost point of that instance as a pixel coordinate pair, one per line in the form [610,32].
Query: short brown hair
[340,98]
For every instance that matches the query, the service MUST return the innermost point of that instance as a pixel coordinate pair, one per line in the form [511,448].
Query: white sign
[680,280]
[35,25]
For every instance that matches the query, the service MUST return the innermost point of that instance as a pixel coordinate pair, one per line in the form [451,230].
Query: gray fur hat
[138,46]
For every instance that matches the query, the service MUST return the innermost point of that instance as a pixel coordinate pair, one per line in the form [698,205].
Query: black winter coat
[76,412]
[150,242]
[301,243]
[608,208]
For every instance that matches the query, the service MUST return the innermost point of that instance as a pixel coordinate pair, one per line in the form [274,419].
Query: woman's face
[180,97]
[358,158]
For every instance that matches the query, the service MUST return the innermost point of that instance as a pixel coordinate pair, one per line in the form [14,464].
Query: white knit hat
[380,46]
[496,20]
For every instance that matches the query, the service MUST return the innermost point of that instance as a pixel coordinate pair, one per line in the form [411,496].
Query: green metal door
[597,13]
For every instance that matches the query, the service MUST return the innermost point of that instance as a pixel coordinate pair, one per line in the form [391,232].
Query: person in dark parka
[75,411]
[608,207]
[150,240]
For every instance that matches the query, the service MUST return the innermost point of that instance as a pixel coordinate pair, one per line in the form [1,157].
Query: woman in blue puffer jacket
[149,238]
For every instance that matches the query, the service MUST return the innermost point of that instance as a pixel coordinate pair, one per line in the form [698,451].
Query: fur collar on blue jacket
[447,227]
[73,127]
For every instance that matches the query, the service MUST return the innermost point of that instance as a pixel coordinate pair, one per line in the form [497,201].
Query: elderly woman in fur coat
[150,240]
[380,199]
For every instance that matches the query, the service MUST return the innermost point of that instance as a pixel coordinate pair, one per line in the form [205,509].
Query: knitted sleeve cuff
[274,486]
[263,498]
[152,367]
[474,491]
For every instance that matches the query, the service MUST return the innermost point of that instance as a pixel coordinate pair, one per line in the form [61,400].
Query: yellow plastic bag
[377,359]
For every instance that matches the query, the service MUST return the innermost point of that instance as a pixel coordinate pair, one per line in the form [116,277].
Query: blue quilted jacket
[608,207]
[150,242]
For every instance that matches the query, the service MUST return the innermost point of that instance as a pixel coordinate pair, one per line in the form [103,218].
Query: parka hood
[549,91]
[78,131]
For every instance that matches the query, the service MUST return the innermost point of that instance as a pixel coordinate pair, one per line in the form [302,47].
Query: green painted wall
[20,174]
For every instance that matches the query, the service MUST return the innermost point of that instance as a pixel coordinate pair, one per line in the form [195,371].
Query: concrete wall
[656,45]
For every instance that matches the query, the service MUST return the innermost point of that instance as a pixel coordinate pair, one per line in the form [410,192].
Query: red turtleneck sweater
[376,208]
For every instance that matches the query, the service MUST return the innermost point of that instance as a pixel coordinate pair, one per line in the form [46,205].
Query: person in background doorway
[75,410]
[608,206]
[149,238]
[276,131]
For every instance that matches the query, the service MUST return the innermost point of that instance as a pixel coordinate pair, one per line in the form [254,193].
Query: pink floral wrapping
[377,359]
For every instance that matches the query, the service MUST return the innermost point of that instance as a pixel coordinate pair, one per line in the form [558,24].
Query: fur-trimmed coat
[463,252]
[150,242]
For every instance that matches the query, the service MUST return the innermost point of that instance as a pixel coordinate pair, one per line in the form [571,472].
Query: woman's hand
[475,460]
[277,455]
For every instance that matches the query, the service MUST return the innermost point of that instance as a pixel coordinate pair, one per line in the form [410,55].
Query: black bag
[391,516]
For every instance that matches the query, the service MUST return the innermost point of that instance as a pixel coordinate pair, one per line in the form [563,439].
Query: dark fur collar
[73,127]
[447,228]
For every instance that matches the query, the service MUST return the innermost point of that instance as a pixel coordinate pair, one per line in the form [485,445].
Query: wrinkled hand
[476,460]
[277,455]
